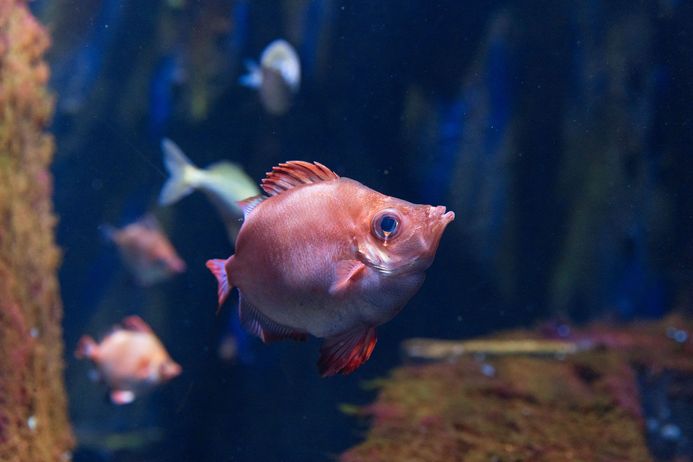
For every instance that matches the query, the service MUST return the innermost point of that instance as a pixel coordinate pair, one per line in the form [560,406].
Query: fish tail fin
[218,269]
[179,184]
[86,348]
[253,78]
[108,232]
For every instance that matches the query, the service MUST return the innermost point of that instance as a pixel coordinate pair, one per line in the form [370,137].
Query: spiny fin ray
[344,353]
[249,204]
[295,173]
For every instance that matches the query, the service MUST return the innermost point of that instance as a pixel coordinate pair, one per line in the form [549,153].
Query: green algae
[581,407]
[34,424]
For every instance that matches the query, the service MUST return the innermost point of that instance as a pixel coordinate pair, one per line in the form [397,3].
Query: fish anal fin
[261,326]
[143,366]
[218,269]
[344,353]
[347,273]
[295,173]
[121,397]
[249,204]
[253,79]
[136,324]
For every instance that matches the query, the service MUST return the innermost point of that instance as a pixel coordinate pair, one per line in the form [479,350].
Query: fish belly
[311,311]
[285,260]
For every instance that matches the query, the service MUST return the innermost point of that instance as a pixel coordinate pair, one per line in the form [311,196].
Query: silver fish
[277,78]
[224,183]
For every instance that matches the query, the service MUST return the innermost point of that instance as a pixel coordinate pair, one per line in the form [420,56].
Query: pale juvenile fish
[130,360]
[146,250]
[224,183]
[327,256]
[277,78]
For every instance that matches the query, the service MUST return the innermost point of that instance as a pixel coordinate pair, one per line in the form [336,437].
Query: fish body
[329,257]
[277,78]
[224,183]
[131,359]
[146,251]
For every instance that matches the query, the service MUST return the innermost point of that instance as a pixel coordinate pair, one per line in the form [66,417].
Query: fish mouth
[442,214]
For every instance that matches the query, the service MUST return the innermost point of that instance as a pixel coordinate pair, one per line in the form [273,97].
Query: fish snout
[441,213]
[170,370]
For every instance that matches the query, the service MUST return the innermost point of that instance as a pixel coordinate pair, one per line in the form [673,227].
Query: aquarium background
[558,132]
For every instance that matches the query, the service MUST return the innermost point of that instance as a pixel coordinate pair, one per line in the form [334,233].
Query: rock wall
[624,394]
[33,418]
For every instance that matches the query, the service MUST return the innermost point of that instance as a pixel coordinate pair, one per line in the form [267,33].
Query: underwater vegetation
[495,403]
[33,408]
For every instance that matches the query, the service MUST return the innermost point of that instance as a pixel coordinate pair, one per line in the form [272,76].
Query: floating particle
[31,423]
[670,432]
[488,370]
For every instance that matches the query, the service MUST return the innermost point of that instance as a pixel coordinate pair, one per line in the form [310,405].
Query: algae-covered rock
[581,406]
[33,418]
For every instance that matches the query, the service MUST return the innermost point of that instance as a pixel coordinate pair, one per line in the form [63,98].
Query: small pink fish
[146,251]
[327,256]
[131,359]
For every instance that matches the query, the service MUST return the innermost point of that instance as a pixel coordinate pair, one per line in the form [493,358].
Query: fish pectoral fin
[136,324]
[344,353]
[347,273]
[255,322]
[143,368]
[121,397]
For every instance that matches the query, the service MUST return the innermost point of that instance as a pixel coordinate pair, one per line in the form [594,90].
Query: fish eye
[385,225]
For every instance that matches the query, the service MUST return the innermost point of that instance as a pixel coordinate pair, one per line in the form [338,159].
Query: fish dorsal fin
[136,324]
[295,173]
[249,204]
[261,326]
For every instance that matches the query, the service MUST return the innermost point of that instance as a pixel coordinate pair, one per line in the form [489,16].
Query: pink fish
[131,359]
[330,257]
[146,251]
